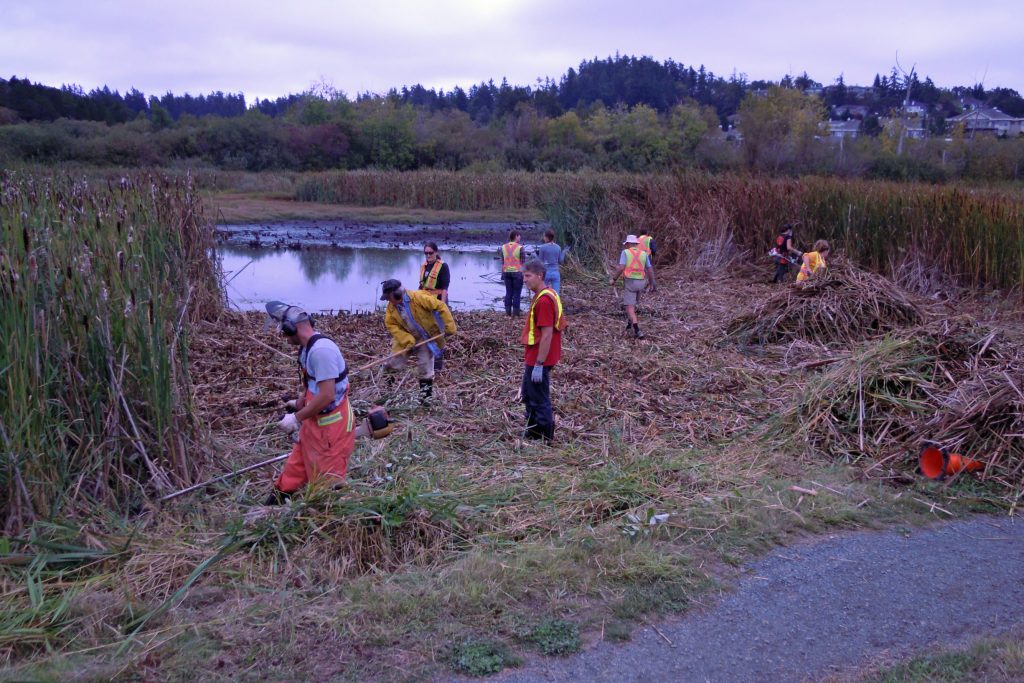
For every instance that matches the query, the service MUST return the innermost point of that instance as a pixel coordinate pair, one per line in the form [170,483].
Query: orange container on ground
[936,463]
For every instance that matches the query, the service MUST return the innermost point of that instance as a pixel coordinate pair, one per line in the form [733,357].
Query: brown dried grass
[839,305]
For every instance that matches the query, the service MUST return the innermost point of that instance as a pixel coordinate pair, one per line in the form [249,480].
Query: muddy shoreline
[467,236]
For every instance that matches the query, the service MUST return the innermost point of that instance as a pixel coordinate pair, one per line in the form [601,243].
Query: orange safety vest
[430,284]
[511,261]
[645,244]
[528,338]
[636,262]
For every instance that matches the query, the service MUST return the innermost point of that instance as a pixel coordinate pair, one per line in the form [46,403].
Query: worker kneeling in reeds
[418,323]
[323,417]
[813,261]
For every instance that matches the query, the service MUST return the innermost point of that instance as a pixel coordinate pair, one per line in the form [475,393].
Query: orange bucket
[935,463]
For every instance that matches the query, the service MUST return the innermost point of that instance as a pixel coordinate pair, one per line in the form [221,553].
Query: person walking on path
[637,275]
[552,257]
[813,261]
[323,417]
[647,245]
[512,272]
[434,273]
[784,250]
[411,318]
[542,337]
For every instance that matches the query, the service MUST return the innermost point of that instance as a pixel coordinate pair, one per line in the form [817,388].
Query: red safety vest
[528,338]
[512,261]
[636,262]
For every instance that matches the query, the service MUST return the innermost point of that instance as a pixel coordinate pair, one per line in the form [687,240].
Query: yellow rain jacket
[430,312]
[812,263]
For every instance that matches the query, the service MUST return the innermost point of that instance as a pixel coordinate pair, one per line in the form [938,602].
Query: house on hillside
[853,111]
[858,91]
[910,126]
[844,129]
[913,108]
[988,121]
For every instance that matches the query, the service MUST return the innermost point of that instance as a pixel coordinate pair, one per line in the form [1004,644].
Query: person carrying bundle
[813,261]
[414,319]
[435,276]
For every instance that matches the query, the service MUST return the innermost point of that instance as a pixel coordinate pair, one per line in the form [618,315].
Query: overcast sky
[272,48]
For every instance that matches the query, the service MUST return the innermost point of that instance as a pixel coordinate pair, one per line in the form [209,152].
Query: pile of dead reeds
[838,305]
[947,384]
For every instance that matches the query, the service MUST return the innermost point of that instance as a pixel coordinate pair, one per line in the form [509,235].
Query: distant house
[858,91]
[856,111]
[844,129]
[912,126]
[913,108]
[988,121]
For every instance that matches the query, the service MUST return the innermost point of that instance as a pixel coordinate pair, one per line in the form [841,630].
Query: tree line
[619,113]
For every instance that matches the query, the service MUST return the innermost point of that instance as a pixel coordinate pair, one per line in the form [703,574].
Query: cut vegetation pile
[837,306]
[948,384]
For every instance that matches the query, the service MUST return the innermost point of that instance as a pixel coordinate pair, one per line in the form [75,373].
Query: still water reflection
[349,279]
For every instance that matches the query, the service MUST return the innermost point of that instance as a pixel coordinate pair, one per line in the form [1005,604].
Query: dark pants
[540,422]
[781,271]
[513,291]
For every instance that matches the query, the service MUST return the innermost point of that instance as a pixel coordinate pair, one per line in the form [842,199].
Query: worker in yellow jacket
[416,317]
[813,261]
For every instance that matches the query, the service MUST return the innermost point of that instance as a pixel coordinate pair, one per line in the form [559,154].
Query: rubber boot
[277,497]
[549,434]
[426,391]
[636,331]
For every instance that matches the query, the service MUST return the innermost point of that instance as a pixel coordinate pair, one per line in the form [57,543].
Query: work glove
[289,424]
[611,281]
[537,376]
[291,406]
[652,289]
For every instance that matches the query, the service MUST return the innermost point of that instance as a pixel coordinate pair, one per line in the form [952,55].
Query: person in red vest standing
[512,272]
[542,337]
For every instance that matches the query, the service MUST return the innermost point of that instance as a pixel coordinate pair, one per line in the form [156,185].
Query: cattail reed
[95,399]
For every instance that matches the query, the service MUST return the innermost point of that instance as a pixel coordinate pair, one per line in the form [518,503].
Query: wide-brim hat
[631,239]
[387,287]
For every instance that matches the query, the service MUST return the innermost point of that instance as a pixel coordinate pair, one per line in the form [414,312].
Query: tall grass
[444,190]
[98,285]
[973,237]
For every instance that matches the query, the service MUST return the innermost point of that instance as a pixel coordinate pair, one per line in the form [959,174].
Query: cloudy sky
[271,48]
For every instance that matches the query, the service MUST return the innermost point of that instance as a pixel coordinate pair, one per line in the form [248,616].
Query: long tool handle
[226,476]
[381,361]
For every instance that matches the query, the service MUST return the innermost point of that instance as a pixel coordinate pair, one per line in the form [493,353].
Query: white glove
[289,424]
[537,376]
[292,406]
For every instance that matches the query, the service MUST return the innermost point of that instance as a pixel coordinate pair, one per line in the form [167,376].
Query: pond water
[348,278]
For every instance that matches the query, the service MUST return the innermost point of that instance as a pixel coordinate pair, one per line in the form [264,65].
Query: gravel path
[827,606]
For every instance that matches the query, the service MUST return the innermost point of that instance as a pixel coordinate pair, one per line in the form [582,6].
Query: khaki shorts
[631,295]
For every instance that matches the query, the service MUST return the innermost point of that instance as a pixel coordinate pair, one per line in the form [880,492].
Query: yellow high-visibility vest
[431,282]
[645,244]
[529,338]
[636,264]
[511,261]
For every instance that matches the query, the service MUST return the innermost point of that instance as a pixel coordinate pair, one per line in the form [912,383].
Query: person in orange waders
[323,418]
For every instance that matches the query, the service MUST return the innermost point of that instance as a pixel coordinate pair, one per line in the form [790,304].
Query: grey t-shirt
[551,255]
[325,362]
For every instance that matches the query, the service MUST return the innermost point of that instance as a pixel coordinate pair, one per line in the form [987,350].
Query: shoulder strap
[309,347]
